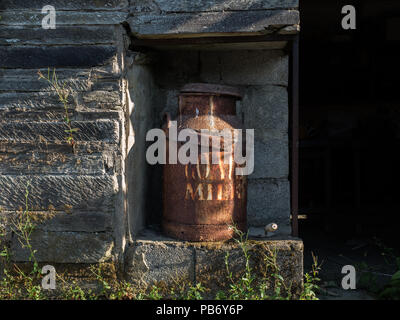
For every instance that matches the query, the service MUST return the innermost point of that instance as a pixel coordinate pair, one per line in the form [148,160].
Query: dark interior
[349,119]
[349,109]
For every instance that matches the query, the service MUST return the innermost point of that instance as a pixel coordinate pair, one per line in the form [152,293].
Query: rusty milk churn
[201,201]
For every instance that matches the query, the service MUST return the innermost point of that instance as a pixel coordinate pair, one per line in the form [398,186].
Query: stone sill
[154,258]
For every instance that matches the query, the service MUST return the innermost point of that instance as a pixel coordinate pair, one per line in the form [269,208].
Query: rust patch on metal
[201,200]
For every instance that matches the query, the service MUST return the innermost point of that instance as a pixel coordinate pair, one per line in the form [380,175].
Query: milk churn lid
[217,89]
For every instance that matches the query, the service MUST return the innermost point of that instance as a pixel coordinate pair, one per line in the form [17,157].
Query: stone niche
[125,62]
[240,43]
[155,79]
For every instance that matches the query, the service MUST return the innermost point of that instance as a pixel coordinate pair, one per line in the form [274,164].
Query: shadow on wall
[143,194]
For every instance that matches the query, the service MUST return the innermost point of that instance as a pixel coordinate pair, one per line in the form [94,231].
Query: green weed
[63,93]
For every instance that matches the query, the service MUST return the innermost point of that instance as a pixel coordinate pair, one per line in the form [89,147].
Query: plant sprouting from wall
[19,283]
[23,226]
[63,94]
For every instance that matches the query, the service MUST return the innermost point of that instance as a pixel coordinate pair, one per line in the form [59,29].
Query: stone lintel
[227,23]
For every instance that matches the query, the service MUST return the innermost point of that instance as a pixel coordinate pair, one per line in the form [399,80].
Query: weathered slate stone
[62,192]
[64,4]
[84,114]
[211,267]
[29,57]
[82,148]
[106,72]
[256,67]
[247,67]
[28,80]
[30,83]
[21,101]
[210,5]
[41,161]
[155,257]
[61,35]
[268,200]
[102,130]
[271,159]
[102,99]
[106,86]
[150,261]
[266,111]
[77,221]
[151,25]
[79,112]
[172,73]
[34,18]
[65,247]
[61,221]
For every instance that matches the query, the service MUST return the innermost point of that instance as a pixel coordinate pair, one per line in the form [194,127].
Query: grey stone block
[24,161]
[82,148]
[268,200]
[211,66]
[81,112]
[27,57]
[23,102]
[102,130]
[73,79]
[152,25]
[266,111]
[34,18]
[60,192]
[255,67]
[149,261]
[102,99]
[210,5]
[63,18]
[106,86]
[27,81]
[65,221]
[106,72]
[65,247]
[271,159]
[42,106]
[245,67]
[64,4]
[173,69]
[79,221]
[61,35]
[155,258]
[211,266]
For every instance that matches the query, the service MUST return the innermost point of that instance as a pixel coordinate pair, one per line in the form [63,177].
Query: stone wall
[155,259]
[77,197]
[90,204]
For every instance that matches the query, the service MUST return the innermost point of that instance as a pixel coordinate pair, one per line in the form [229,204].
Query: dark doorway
[349,108]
